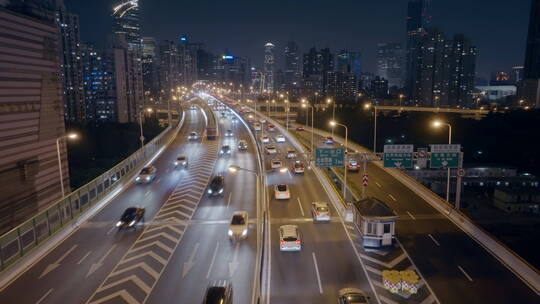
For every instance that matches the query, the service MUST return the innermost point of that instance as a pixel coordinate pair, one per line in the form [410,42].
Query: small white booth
[376,222]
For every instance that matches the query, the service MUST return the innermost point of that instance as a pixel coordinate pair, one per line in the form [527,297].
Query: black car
[217,185]
[131,217]
[225,150]
[352,296]
[219,294]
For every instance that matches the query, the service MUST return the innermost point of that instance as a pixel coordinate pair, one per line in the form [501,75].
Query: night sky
[497,27]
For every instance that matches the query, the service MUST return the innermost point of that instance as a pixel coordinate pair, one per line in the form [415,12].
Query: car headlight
[176,163]
[210,191]
[220,191]
[132,223]
[244,232]
[138,178]
[119,224]
[148,178]
[183,163]
[230,232]
[220,152]
[229,152]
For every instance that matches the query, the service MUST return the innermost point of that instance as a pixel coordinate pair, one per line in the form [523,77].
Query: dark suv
[219,294]
[217,185]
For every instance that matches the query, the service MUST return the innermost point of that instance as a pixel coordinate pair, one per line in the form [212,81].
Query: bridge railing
[23,239]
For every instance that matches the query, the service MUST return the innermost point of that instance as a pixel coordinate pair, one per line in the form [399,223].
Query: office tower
[206,65]
[70,63]
[128,79]
[150,68]
[348,62]
[99,84]
[269,66]
[462,70]
[531,82]
[187,56]
[31,108]
[342,86]
[390,63]
[292,70]
[169,72]
[126,22]
[316,66]
[232,69]
[418,21]
[378,87]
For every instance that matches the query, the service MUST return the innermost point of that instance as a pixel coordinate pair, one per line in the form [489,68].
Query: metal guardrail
[21,240]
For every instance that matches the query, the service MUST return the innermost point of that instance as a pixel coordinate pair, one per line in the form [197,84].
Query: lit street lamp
[368,106]
[312,110]
[438,124]
[333,124]
[401,96]
[149,110]
[329,101]
[68,136]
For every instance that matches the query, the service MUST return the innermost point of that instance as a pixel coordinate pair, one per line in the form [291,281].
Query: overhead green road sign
[398,156]
[329,157]
[445,156]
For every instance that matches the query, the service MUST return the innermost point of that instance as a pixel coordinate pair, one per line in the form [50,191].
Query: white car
[181,161]
[193,136]
[289,238]
[329,140]
[281,191]
[265,139]
[320,211]
[276,164]
[147,175]
[291,153]
[193,108]
[257,127]
[271,149]
[280,138]
[238,228]
[229,133]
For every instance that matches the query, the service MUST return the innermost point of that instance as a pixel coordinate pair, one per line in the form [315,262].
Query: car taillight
[298,242]
[317,214]
[281,242]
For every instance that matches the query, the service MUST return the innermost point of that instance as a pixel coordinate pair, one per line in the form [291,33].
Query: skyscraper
[126,21]
[531,82]
[70,63]
[317,64]
[168,67]
[390,63]
[150,68]
[292,72]
[269,67]
[348,62]
[31,108]
[418,21]
[187,65]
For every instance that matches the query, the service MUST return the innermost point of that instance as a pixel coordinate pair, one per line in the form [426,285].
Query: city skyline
[499,33]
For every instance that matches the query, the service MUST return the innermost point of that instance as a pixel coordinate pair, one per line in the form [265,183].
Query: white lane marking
[376,183]
[157,182]
[111,230]
[392,197]
[317,271]
[290,175]
[189,264]
[84,257]
[147,192]
[56,264]
[300,204]
[411,215]
[234,263]
[434,240]
[229,200]
[212,262]
[465,273]
[97,265]
[46,294]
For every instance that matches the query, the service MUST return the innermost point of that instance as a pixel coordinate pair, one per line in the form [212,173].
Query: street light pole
[70,136]
[333,123]
[141,128]
[437,124]
[375,131]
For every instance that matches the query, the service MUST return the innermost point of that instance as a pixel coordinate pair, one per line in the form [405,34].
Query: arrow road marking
[317,272]
[465,273]
[234,263]
[84,257]
[300,204]
[56,264]
[434,240]
[189,264]
[43,298]
[398,164]
[212,262]
[96,266]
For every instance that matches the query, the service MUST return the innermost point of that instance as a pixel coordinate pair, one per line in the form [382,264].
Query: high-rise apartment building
[531,78]
[150,63]
[31,113]
[292,73]
[418,21]
[99,84]
[349,62]
[187,56]
[269,67]
[342,86]
[317,64]
[126,22]
[70,63]
[169,71]
[390,63]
